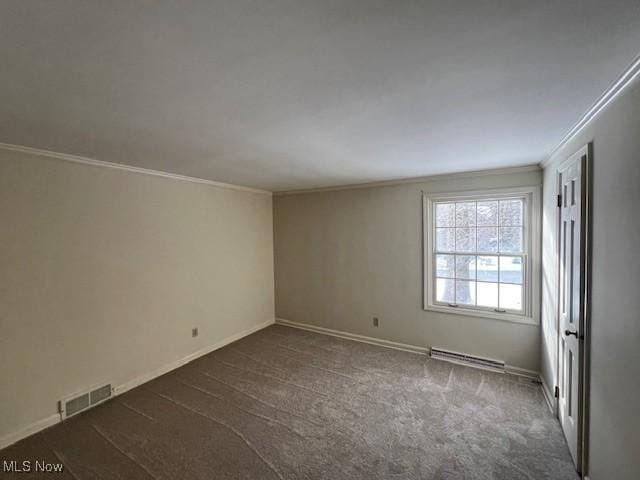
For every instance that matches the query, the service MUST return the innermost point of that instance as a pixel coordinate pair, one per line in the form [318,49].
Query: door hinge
[559,201]
[556,392]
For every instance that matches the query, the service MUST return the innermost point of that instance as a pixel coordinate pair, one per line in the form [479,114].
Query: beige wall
[105,272]
[615,314]
[342,257]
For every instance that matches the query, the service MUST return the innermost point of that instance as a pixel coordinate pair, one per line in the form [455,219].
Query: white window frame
[531,269]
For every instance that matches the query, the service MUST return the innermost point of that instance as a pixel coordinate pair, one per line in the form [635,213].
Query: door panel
[571,300]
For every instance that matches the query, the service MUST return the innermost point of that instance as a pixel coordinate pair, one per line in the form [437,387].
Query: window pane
[465,214]
[445,239]
[487,294]
[465,292]
[445,265]
[488,239]
[511,212]
[510,296]
[487,268]
[479,253]
[445,214]
[510,239]
[445,291]
[465,239]
[488,213]
[466,267]
[511,269]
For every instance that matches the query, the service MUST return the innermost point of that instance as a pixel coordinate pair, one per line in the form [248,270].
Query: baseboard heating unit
[466,359]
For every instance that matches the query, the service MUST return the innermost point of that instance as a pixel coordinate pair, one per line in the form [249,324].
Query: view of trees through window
[479,253]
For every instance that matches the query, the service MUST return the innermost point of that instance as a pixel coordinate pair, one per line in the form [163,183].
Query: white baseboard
[353,336]
[548,396]
[39,425]
[35,427]
[178,363]
[523,372]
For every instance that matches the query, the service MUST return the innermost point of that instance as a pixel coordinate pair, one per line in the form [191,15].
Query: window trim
[531,270]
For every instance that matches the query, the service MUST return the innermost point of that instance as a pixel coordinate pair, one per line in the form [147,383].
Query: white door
[571,202]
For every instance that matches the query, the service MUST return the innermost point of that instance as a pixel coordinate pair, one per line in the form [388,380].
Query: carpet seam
[230,428]
[121,451]
[257,415]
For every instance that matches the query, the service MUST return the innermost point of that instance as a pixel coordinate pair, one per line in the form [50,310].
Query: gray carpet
[290,404]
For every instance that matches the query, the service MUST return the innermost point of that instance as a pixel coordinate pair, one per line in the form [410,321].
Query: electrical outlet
[194,332]
[376,322]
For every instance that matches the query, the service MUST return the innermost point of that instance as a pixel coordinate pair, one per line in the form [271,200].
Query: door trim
[586,367]
[585,357]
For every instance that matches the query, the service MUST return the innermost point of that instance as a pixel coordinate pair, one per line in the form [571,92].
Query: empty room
[320,239]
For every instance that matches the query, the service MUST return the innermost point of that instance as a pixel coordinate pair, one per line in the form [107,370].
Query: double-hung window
[481,254]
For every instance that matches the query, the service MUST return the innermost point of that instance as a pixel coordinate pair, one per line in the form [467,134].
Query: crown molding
[424,179]
[611,93]
[127,168]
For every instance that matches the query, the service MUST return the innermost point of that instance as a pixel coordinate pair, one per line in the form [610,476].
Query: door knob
[569,332]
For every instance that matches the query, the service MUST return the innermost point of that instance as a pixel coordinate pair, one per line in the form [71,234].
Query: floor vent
[79,402]
[465,359]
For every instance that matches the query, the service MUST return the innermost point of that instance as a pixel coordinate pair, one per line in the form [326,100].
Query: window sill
[505,317]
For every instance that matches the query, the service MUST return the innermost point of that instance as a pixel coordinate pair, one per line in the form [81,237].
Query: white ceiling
[291,94]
